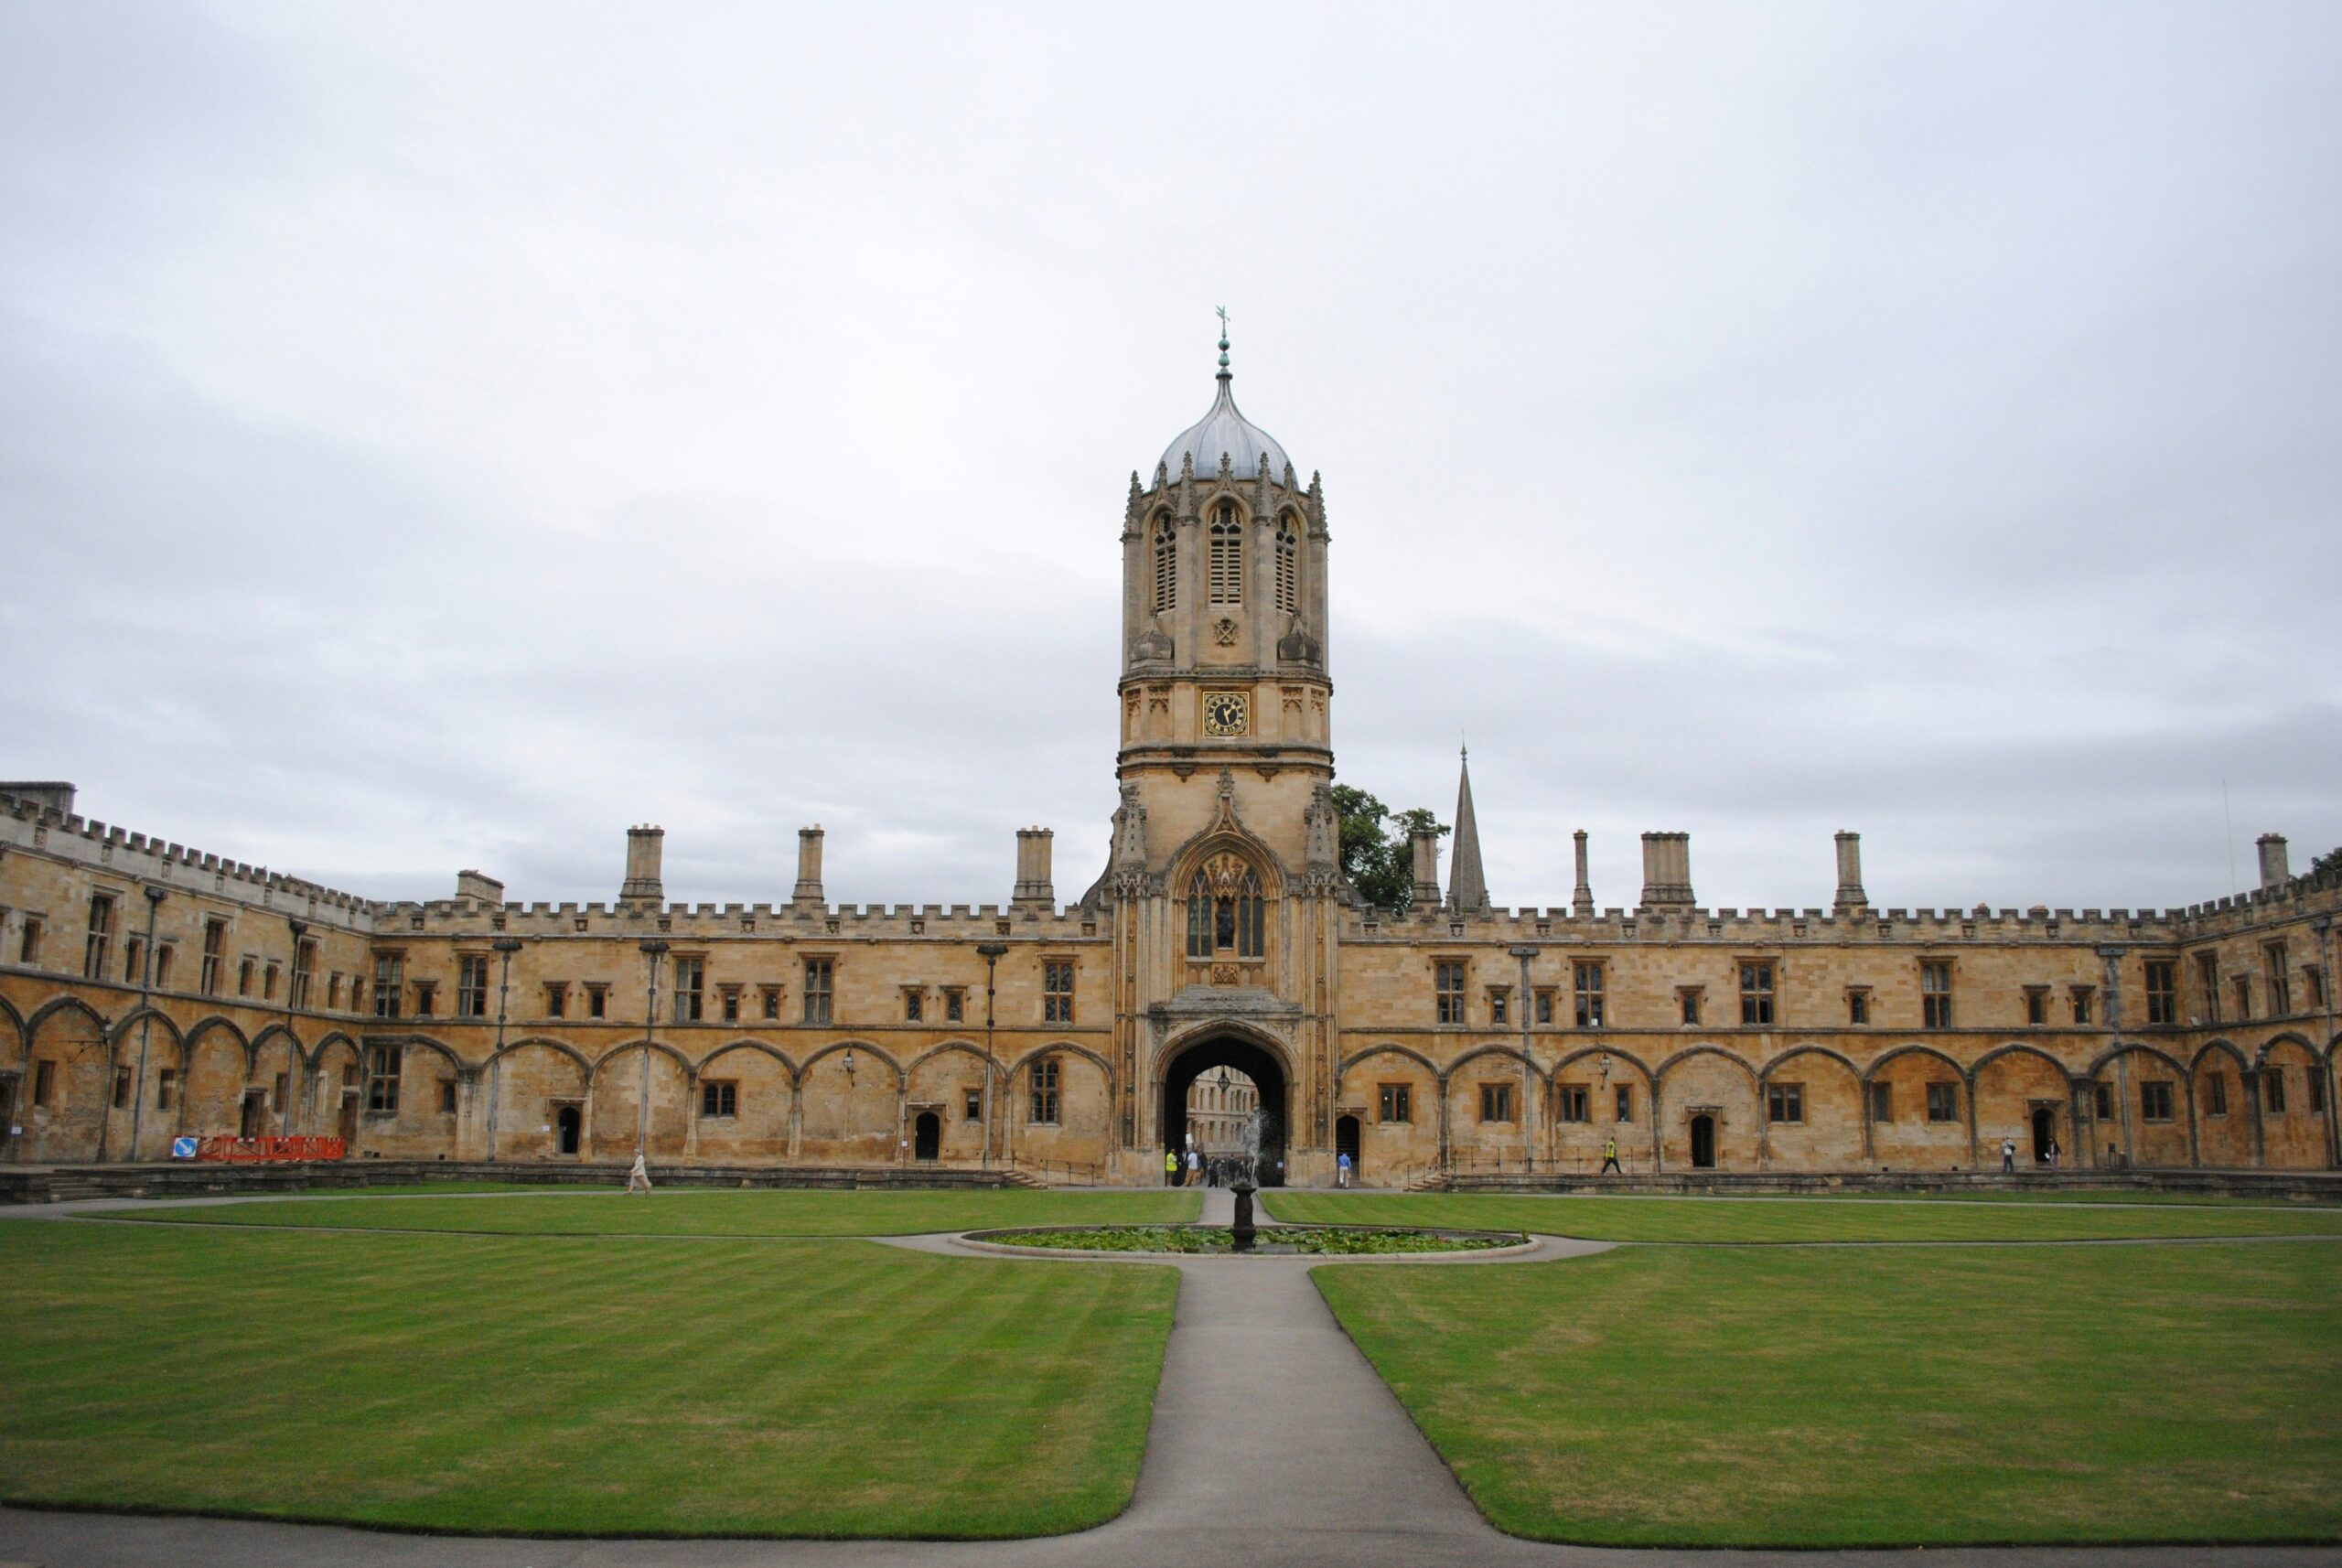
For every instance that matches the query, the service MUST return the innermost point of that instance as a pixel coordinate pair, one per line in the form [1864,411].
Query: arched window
[1166,564]
[1288,566]
[1227,555]
[1226,913]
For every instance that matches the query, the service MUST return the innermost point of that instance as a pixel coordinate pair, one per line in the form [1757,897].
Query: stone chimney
[808,868]
[487,889]
[1426,844]
[2273,861]
[1667,871]
[645,847]
[1036,894]
[1850,895]
[54,795]
[1581,895]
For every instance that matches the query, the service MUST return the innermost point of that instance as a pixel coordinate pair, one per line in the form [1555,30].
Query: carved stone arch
[15,1021]
[1617,1056]
[1476,1052]
[1688,1052]
[2288,1038]
[202,1027]
[866,1048]
[149,1015]
[1810,1050]
[1252,1034]
[296,1053]
[691,1075]
[57,1005]
[538,1042]
[428,1044]
[2017,1047]
[775,1052]
[1342,1069]
[1915,1048]
[1225,837]
[2140,1047]
[967,1048]
[2243,1064]
[1060,1048]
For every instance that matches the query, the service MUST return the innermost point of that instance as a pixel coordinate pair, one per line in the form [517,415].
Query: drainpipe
[155,896]
[2323,1062]
[655,949]
[1531,1111]
[992,954]
[300,928]
[505,946]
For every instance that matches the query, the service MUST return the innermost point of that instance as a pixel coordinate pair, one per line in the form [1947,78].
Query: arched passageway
[1254,1062]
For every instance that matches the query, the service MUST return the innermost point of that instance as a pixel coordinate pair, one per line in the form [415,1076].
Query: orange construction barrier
[253,1151]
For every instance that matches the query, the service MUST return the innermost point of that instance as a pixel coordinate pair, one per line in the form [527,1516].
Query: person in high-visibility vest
[1170,1167]
[1610,1158]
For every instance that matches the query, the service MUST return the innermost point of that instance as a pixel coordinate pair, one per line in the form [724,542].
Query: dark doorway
[2044,1127]
[927,1136]
[8,1114]
[1703,1142]
[255,1106]
[568,1126]
[348,1123]
[1267,1075]
[1346,1142]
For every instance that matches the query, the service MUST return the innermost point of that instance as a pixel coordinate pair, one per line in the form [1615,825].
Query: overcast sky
[440,435]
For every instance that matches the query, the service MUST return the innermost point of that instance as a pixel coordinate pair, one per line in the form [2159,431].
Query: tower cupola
[1223,431]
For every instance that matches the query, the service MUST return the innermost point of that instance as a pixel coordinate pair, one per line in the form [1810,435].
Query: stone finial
[645,848]
[1425,842]
[1667,871]
[1582,894]
[808,868]
[1850,895]
[1036,892]
[2273,868]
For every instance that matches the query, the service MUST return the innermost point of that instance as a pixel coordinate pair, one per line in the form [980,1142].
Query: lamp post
[992,954]
[655,949]
[2323,1062]
[504,947]
[1529,1110]
[300,929]
[155,896]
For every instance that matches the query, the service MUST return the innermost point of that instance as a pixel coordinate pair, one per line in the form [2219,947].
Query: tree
[1378,856]
[2326,862]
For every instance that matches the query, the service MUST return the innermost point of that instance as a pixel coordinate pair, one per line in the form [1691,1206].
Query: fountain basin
[1270,1241]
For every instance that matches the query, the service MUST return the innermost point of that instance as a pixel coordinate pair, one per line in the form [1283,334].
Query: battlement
[1768,927]
[33,823]
[909,922]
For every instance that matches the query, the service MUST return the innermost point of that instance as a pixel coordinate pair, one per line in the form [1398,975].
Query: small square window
[975,1105]
[597,1002]
[1882,1102]
[2154,1100]
[914,1005]
[1623,1109]
[2036,1004]
[771,997]
[1588,994]
[1499,1005]
[1397,1101]
[1943,1102]
[730,999]
[1574,1104]
[719,1097]
[1447,982]
[1784,1103]
[1858,1005]
[2103,1101]
[1545,1006]
[556,999]
[2272,1090]
[1687,998]
[955,1005]
[1496,1102]
[446,1097]
[1756,995]
[2085,1003]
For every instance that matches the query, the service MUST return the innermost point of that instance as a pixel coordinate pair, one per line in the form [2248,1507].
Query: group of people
[1197,1169]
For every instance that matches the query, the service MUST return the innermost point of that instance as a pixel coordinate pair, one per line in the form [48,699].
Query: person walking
[1170,1167]
[2052,1151]
[1195,1169]
[1610,1158]
[2008,1155]
[1342,1169]
[639,1178]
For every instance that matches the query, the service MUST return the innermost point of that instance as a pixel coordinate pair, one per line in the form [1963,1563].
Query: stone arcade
[148,990]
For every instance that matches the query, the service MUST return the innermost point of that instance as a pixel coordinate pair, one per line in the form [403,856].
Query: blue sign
[183,1148]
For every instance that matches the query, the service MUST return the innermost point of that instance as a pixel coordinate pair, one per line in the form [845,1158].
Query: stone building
[1219,1107]
[148,990]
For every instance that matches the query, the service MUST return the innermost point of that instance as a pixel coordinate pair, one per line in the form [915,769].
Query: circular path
[1274,1445]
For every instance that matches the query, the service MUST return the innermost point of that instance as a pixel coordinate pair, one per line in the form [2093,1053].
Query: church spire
[1467,884]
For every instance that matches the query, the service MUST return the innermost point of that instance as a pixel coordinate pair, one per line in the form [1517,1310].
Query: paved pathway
[1274,1445]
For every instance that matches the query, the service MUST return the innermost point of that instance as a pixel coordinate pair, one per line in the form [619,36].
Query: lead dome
[1224,430]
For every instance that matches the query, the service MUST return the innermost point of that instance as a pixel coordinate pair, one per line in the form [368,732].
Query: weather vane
[1221,311]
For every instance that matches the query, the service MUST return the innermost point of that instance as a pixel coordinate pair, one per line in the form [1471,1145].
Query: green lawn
[685,1211]
[1794,1219]
[413,1190]
[565,1386]
[1877,1396]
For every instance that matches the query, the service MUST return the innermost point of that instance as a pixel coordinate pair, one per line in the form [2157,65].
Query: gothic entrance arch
[1255,1062]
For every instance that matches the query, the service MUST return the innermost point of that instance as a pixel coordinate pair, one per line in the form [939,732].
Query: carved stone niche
[1151,647]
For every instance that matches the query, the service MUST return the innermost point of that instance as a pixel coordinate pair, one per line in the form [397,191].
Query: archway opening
[1254,1062]
[1346,1141]
[1703,1142]
[570,1125]
[927,1136]
[2045,1128]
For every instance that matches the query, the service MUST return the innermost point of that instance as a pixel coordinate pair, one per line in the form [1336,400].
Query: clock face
[1227,712]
